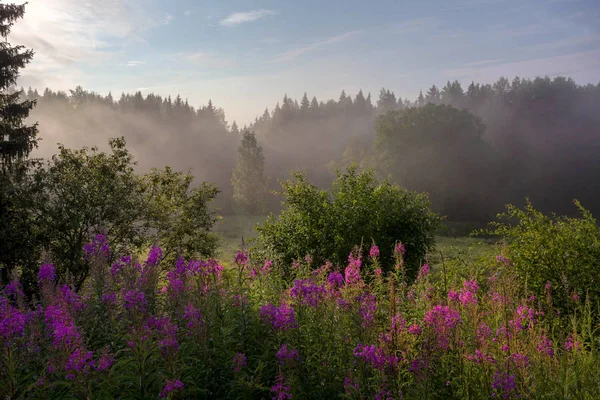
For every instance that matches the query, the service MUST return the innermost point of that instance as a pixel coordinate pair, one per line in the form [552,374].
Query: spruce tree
[16,139]
[248,180]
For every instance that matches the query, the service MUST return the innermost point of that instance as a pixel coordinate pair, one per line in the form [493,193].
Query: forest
[118,279]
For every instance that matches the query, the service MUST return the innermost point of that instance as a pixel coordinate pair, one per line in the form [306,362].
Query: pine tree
[248,180]
[305,103]
[421,99]
[433,95]
[16,139]
[234,128]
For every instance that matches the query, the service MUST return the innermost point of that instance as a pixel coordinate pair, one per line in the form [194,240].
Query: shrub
[553,253]
[357,210]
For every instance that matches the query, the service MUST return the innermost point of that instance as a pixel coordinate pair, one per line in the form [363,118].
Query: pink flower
[171,386]
[374,252]
[239,361]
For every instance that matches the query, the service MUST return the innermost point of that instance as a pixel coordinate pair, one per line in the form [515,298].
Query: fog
[541,140]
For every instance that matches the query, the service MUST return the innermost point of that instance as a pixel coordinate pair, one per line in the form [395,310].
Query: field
[233,229]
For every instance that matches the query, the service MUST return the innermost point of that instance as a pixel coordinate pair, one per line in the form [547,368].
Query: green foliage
[358,210]
[248,180]
[16,139]
[86,191]
[561,250]
[180,217]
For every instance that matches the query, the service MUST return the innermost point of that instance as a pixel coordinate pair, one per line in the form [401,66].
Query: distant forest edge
[523,138]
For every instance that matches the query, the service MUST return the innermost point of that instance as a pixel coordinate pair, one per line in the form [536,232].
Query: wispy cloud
[135,63]
[577,65]
[483,62]
[242,17]
[65,34]
[187,13]
[295,53]
[166,20]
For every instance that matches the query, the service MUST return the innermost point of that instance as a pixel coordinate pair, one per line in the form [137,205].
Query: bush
[560,251]
[357,210]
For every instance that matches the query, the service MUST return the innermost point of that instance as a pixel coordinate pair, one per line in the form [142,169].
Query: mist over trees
[488,145]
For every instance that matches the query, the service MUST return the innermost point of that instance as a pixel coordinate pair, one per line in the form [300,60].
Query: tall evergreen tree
[304,103]
[248,180]
[16,139]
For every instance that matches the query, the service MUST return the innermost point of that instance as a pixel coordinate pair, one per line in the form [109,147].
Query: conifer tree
[16,139]
[248,180]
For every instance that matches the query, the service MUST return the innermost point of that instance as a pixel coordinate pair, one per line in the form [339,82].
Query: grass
[234,228]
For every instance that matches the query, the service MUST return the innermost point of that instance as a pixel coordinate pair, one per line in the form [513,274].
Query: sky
[245,55]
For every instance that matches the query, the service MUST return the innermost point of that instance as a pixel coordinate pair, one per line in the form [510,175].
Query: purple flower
[545,346]
[307,292]
[154,255]
[241,258]
[504,384]
[374,356]
[105,362]
[414,330]
[443,320]
[281,318]
[98,247]
[167,332]
[171,386]
[453,296]
[503,260]
[571,344]
[374,252]
[287,355]
[109,297]
[399,250]
[47,273]
[135,300]
[14,289]
[353,270]
[12,322]
[520,360]
[350,385]
[335,280]
[267,267]
[424,270]
[194,317]
[239,362]
[62,326]
[79,361]
[280,390]
[368,308]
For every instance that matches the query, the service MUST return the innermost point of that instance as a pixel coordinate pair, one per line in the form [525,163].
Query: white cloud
[483,62]
[135,63]
[187,13]
[294,53]
[167,18]
[67,34]
[242,17]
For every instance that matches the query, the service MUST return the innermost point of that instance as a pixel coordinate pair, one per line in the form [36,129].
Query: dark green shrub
[358,210]
[559,250]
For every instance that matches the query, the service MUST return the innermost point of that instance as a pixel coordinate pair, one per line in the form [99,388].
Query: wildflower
[545,346]
[483,332]
[109,298]
[548,286]
[105,362]
[374,356]
[280,390]
[374,252]
[335,280]
[378,272]
[79,361]
[352,271]
[47,273]
[239,300]
[480,357]
[12,322]
[575,297]
[520,360]
[14,288]
[241,258]
[368,308]
[154,255]
[424,271]
[134,300]
[62,326]
[418,368]
[350,385]
[308,259]
[287,355]
[167,331]
[307,292]
[442,319]
[384,394]
[399,249]
[239,362]
[503,260]
[267,267]
[97,247]
[171,386]
[571,344]
[281,318]
[504,384]
[194,317]
[414,329]
[467,297]
[453,296]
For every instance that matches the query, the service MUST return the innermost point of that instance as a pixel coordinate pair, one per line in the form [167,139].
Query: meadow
[244,328]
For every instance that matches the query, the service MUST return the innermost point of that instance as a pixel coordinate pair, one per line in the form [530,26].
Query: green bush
[357,210]
[559,250]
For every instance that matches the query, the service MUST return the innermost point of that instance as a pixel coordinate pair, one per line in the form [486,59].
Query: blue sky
[245,54]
